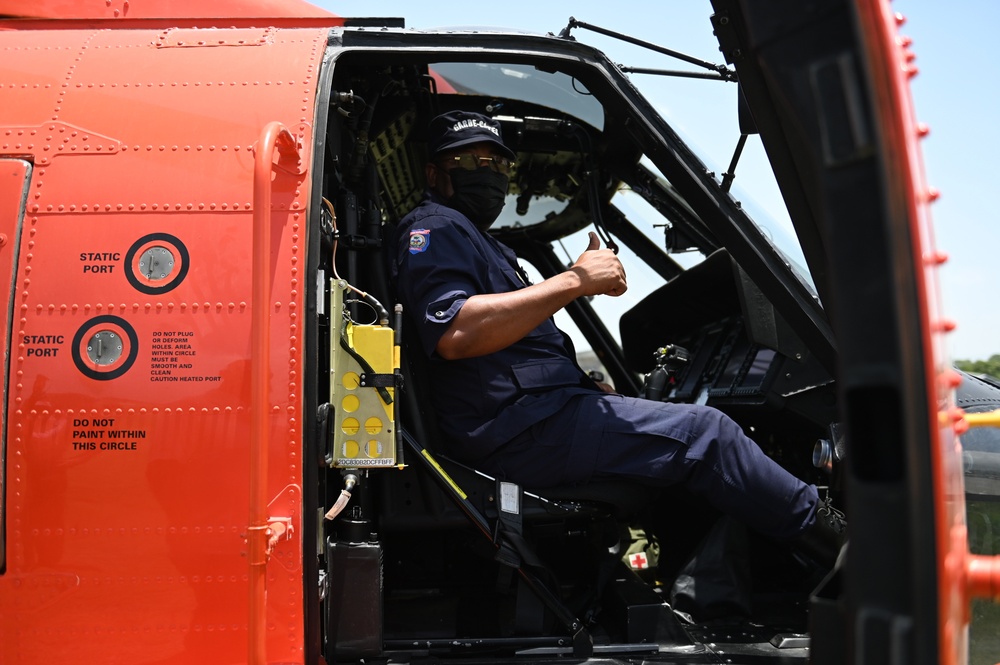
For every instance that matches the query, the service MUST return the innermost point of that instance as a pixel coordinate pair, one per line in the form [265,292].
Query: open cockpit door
[827,84]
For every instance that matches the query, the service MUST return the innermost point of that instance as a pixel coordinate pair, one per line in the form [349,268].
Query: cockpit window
[525,83]
[510,91]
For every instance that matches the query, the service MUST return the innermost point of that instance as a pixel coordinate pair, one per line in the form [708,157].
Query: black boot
[823,541]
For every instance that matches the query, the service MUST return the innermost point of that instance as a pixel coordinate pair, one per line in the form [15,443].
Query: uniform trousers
[697,448]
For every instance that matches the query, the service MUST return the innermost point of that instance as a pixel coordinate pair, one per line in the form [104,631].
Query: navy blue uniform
[530,414]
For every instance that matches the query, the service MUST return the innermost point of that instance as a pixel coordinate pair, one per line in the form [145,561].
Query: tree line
[991,366]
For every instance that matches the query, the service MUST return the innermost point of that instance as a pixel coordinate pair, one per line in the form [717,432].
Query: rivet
[949,378]
[946,325]
[937,258]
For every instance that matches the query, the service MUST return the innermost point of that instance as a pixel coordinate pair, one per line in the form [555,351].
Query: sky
[954,93]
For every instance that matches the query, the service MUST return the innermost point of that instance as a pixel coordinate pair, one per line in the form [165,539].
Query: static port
[156,263]
[104,347]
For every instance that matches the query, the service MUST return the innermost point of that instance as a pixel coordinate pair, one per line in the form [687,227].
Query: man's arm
[490,322]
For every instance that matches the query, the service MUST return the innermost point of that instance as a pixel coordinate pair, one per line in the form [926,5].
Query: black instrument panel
[703,312]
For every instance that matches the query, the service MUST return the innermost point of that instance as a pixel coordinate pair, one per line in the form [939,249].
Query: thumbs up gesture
[599,270]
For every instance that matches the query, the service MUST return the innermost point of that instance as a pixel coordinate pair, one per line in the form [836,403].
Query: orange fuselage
[127,162]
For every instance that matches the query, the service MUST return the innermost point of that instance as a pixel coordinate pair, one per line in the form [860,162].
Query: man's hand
[489,322]
[599,270]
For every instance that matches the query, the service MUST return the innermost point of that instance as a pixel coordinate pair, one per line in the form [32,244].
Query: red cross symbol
[638,560]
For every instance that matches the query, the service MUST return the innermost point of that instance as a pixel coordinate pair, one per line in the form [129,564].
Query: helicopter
[217,443]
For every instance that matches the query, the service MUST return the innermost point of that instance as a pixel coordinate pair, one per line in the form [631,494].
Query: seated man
[504,379]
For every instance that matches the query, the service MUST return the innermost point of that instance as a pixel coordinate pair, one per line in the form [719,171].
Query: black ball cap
[458,128]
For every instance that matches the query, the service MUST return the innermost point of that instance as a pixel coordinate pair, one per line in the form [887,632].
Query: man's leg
[706,452]
[660,444]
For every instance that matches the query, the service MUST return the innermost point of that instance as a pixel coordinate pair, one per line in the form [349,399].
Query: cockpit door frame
[15,179]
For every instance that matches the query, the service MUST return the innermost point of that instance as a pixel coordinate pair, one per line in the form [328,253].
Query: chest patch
[420,240]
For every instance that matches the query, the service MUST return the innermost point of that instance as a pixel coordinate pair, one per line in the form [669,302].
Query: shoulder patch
[420,240]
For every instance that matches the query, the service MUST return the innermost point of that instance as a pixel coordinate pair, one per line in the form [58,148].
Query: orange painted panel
[191,115]
[129,400]
[146,9]
[32,72]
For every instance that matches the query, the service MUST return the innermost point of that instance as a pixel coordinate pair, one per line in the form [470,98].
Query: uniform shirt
[441,260]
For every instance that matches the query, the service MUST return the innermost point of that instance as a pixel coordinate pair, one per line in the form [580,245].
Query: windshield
[569,97]
[507,81]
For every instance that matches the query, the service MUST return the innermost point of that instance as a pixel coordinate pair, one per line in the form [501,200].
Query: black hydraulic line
[592,184]
[724,72]
[594,203]
[382,392]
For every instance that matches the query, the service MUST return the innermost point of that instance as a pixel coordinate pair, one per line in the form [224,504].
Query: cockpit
[715,314]
[591,155]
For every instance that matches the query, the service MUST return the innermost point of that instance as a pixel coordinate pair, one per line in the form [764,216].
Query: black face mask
[479,195]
